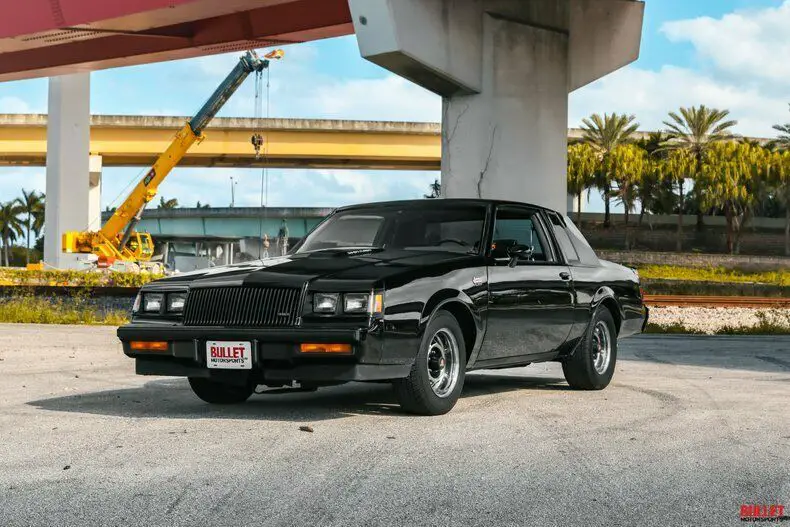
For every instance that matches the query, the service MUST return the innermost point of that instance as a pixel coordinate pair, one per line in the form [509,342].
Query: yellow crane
[117,239]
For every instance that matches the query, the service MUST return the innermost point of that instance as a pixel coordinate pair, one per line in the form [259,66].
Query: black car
[414,292]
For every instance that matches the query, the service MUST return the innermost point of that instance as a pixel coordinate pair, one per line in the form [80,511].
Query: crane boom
[117,239]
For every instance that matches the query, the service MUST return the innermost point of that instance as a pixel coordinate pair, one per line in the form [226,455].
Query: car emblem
[478,280]
[283,314]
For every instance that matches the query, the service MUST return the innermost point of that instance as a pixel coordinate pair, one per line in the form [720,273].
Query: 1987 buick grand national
[414,292]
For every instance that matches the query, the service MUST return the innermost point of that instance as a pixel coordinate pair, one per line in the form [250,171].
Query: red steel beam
[82,49]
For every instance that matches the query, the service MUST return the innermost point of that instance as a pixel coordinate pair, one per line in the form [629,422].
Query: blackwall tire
[592,365]
[220,393]
[437,375]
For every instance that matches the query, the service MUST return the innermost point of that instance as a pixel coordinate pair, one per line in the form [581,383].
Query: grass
[714,274]
[72,310]
[98,278]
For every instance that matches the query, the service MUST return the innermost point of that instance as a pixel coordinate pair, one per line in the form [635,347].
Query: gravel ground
[690,429]
[710,320]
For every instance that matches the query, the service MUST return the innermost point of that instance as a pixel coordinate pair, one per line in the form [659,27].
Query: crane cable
[260,141]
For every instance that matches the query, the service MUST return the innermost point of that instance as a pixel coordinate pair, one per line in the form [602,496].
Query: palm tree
[627,164]
[436,190]
[783,141]
[735,174]
[32,204]
[694,130]
[676,168]
[604,134]
[780,177]
[582,164]
[167,204]
[10,226]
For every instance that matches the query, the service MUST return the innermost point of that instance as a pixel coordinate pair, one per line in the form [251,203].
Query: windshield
[457,228]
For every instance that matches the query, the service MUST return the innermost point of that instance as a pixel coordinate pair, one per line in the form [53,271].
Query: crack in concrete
[488,161]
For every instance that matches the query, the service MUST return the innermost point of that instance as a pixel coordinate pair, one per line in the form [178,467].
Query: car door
[530,309]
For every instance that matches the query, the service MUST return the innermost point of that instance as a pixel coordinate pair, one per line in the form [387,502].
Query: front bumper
[276,355]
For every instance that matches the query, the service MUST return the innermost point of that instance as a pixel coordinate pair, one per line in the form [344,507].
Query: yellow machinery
[117,239]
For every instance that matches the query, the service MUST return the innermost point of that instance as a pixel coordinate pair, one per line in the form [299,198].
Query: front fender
[463,308]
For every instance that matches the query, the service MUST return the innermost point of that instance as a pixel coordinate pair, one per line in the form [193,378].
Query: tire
[586,369]
[220,393]
[416,393]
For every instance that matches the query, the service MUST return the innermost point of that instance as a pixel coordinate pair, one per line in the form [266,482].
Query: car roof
[439,201]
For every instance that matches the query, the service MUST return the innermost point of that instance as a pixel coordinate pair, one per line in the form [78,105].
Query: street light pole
[232,192]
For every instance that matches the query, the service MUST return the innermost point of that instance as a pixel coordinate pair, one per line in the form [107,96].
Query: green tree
[167,204]
[627,164]
[32,205]
[783,141]
[733,174]
[604,134]
[676,168]
[695,130]
[11,226]
[582,165]
[780,180]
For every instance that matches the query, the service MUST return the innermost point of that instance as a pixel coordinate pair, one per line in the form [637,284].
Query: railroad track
[716,301]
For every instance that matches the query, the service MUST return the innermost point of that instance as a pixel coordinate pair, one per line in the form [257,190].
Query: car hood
[362,268]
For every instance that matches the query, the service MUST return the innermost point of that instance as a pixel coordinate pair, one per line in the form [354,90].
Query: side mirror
[517,252]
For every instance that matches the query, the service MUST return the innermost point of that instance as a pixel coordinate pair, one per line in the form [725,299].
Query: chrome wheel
[602,347]
[443,362]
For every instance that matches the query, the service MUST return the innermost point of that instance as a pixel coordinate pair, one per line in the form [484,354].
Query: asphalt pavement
[690,429]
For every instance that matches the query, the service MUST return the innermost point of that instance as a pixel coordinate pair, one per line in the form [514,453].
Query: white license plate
[229,355]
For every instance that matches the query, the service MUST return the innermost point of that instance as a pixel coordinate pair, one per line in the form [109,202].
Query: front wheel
[437,376]
[592,365]
[219,392]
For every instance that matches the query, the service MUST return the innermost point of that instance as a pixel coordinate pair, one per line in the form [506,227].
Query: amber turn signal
[146,345]
[325,348]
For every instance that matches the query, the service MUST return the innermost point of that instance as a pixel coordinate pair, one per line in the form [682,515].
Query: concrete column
[68,150]
[504,69]
[94,192]
[509,141]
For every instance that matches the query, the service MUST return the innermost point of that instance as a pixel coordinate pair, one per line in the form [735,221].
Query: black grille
[243,306]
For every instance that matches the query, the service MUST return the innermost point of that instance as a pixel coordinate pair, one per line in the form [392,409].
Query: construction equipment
[117,240]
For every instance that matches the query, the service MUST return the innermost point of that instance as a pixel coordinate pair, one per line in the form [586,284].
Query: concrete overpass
[290,143]
[124,140]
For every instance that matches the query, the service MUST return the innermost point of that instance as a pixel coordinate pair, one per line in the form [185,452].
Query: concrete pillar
[94,192]
[504,69]
[509,141]
[68,150]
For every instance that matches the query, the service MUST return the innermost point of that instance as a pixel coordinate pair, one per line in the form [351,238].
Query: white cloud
[13,180]
[12,104]
[743,66]
[650,95]
[750,44]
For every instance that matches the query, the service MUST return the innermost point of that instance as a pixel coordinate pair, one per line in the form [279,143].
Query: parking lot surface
[690,429]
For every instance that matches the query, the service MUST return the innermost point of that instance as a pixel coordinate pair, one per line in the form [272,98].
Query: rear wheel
[592,365]
[220,393]
[437,376]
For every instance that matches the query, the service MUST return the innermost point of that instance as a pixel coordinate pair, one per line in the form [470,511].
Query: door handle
[565,275]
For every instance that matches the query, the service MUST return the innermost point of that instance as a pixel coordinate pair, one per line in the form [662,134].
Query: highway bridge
[124,140]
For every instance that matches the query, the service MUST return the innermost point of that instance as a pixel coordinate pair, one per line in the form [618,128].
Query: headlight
[176,302]
[152,302]
[325,302]
[356,303]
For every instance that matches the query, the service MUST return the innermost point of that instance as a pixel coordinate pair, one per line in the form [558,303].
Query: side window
[563,239]
[515,226]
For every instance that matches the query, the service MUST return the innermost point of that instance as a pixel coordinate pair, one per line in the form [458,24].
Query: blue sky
[723,53]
